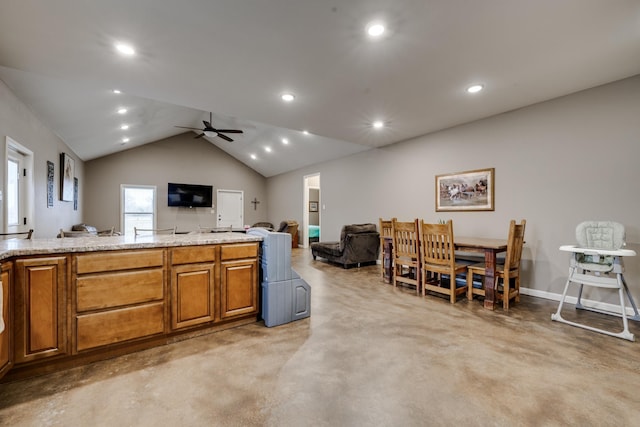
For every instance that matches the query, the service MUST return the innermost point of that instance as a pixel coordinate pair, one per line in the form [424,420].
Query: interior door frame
[239,192]
[305,216]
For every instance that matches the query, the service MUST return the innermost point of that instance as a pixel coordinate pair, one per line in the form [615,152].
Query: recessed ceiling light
[125,49]
[267,149]
[288,97]
[116,91]
[125,139]
[375,29]
[378,125]
[253,156]
[285,141]
[124,127]
[122,111]
[306,132]
[475,88]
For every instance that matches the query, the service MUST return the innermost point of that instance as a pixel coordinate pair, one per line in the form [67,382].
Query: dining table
[490,248]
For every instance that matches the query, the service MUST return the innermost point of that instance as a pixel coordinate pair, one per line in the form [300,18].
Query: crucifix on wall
[255,203]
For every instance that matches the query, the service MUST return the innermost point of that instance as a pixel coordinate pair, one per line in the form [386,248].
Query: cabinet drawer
[109,327]
[113,261]
[118,289]
[192,254]
[249,250]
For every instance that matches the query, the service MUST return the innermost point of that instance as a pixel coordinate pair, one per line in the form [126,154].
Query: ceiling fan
[210,131]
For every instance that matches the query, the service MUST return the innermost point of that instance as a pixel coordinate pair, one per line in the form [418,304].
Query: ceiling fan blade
[199,136]
[229,130]
[225,137]
[207,124]
[184,127]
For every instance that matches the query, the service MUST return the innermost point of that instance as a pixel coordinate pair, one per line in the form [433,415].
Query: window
[138,207]
[13,192]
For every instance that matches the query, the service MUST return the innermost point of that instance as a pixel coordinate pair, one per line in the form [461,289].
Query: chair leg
[505,288]
[469,285]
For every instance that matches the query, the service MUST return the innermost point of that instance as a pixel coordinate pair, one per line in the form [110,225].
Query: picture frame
[75,194]
[313,206]
[67,173]
[50,178]
[466,191]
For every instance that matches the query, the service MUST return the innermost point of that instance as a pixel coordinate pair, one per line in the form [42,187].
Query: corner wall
[557,163]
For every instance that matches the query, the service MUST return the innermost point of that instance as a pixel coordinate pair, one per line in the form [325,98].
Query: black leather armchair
[359,244]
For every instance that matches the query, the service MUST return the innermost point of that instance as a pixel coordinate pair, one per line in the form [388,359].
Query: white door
[230,208]
[18,188]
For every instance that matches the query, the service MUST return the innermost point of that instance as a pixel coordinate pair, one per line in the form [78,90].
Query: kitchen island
[72,301]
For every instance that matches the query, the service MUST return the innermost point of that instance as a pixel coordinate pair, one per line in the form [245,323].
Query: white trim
[597,305]
[28,186]
[155,203]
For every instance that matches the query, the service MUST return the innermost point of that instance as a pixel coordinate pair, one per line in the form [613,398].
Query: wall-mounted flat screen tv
[190,195]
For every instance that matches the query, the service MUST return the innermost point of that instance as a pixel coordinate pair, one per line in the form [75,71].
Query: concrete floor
[369,355]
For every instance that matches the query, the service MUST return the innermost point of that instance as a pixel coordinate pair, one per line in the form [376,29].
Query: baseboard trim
[597,305]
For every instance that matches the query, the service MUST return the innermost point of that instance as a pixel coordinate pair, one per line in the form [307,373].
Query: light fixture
[116,91]
[253,156]
[285,141]
[288,97]
[122,111]
[267,149]
[378,125]
[124,127]
[125,49]
[475,88]
[375,29]
[306,132]
[210,134]
[125,139]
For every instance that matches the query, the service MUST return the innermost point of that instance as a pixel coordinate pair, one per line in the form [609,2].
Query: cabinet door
[41,321]
[6,355]
[239,287]
[192,295]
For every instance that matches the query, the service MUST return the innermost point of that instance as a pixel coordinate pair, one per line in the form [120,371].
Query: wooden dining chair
[386,234]
[150,231]
[438,260]
[507,271]
[406,249]
[17,235]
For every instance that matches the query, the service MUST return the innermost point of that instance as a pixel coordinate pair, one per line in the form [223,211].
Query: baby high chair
[597,261]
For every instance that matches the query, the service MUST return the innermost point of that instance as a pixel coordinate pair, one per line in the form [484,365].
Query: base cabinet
[40,303]
[6,351]
[239,272]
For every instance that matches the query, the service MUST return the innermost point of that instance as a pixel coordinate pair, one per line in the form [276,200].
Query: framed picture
[465,191]
[50,173]
[313,206]
[67,173]
[75,194]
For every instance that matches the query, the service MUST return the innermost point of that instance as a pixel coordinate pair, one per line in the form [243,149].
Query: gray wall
[180,159]
[19,123]
[556,164]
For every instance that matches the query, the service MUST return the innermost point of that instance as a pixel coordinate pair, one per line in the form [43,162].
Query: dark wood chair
[507,271]
[17,235]
[438,260]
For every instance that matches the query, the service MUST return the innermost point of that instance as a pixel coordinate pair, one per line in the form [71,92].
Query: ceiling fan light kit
[211,132]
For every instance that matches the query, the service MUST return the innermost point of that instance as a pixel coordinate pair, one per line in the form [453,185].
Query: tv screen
[190,195]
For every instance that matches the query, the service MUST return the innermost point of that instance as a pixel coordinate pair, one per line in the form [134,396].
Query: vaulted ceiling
[235,58]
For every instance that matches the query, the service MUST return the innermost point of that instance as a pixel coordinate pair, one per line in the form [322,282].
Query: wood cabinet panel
[246,250]
[192,254]
[99,291]
[114,326]
[6,353]
[41,314]
[118,260]
[238,288]
[193,295]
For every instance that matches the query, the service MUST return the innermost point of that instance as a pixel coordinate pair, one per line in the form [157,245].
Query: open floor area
[368,355]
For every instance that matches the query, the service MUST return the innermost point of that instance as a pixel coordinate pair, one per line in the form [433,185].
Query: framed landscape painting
[465,191]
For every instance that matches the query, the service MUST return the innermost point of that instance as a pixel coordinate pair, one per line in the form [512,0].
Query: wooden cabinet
[6,351]
[120,296]
[239,276]
[40,308]
[193,293]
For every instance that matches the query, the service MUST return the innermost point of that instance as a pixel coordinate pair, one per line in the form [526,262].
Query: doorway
[312,209]
[17,208]
[230,208]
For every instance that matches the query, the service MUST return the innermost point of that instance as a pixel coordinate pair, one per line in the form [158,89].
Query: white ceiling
[236,57]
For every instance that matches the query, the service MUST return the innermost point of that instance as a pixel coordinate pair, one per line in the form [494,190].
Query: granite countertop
[23,247]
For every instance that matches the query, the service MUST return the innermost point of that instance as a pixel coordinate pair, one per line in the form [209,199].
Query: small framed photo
[465,191]
[313,206]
